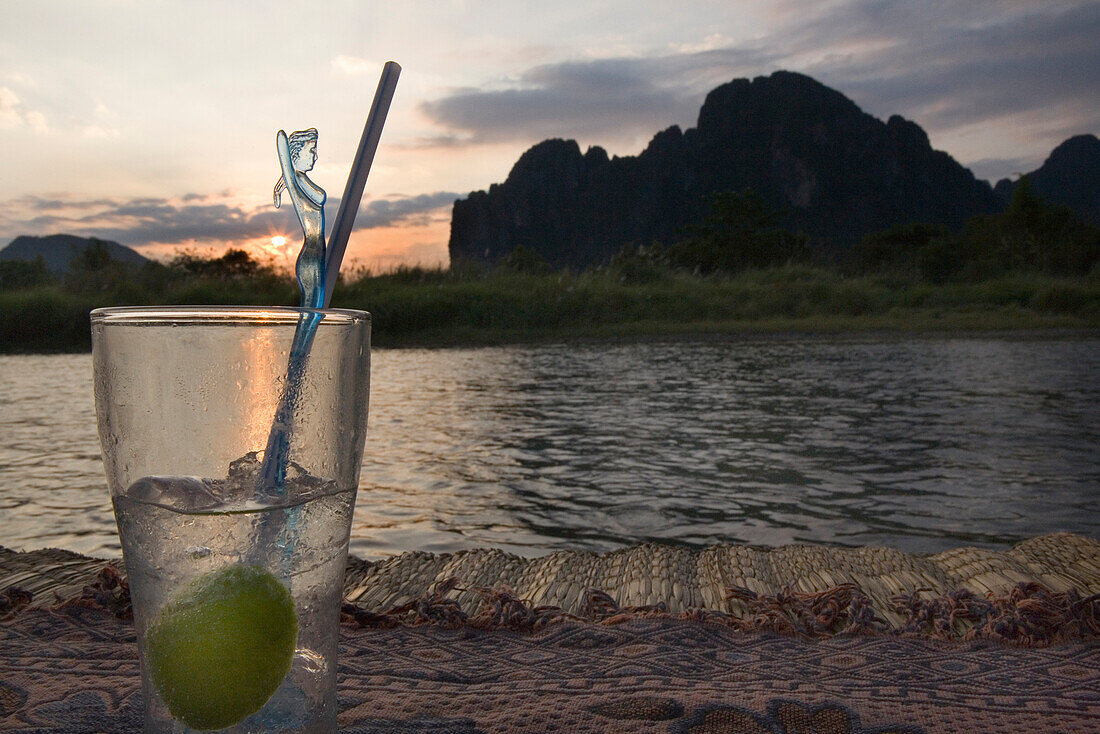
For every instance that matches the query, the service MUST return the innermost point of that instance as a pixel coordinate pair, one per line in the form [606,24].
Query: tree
[1031,234]
[94,257]
[739,232]
[897,248]
[24,273]
[524,259]
[234,263]
[640,264]
[93,270]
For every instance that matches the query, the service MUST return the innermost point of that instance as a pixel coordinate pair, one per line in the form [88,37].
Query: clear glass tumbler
[234,550]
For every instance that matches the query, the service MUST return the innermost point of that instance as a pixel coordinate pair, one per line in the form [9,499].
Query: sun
[275,247]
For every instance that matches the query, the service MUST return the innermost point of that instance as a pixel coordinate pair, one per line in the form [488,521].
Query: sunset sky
[153,123]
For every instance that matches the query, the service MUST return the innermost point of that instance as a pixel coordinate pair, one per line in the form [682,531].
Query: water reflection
[920,444]
[52,488]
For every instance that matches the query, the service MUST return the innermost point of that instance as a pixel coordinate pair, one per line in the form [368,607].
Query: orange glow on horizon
[385,248]
[379,249]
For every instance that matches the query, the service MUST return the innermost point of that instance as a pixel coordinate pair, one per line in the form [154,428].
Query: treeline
[741,232]
[93,270]
[1031,266]
[41,311]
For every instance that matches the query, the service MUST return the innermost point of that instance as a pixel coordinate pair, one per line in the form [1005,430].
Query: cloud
[9,107]
[1029,69]
[353,65]
[194,218]
[960,71]
[413,210]
[13,113]
[614,98]
[99,132]
[712,42]
[139,221]
[994,169]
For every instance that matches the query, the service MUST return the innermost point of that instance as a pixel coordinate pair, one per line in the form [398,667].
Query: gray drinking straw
[357,177]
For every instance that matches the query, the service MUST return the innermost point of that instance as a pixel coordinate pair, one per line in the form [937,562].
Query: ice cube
[183,494]
[299,476]
[243,471]
[243,481]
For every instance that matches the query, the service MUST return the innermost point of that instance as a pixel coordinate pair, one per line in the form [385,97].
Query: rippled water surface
[919,444]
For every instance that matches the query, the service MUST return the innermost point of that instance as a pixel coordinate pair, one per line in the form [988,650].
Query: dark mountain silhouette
[1070,176]
[805,148]
[58,250]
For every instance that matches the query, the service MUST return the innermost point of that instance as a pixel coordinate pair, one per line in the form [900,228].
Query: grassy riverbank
[435,307]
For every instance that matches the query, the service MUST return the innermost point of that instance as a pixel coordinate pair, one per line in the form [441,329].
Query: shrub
[24,273]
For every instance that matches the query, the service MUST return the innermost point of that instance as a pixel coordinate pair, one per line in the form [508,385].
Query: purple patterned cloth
[76,671]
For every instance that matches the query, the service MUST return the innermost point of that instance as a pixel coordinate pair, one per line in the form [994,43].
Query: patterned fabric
[76,670]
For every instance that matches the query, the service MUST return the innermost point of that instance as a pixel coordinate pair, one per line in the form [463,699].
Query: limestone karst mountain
[838,173]
[1070,176]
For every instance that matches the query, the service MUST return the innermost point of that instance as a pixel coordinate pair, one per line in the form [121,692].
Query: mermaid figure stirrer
[297,154]
[316,263]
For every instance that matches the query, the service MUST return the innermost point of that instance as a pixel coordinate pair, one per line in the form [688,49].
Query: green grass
[432,307]
[502,306]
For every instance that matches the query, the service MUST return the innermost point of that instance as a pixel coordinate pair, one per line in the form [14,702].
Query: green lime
[219,649]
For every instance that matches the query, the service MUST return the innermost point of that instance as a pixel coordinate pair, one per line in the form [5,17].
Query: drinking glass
[236,582]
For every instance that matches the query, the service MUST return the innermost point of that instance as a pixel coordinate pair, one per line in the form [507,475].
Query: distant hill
[805,148]
[1070,176]
[58,250]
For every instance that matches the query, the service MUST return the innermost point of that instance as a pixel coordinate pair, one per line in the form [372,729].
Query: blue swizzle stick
[318,266]
[297,154]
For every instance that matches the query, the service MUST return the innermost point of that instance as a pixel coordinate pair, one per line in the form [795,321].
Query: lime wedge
[219,649]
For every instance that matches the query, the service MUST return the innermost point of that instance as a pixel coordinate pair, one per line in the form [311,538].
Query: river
[921,444]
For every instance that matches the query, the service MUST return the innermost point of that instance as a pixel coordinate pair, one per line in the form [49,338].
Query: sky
[153,123]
